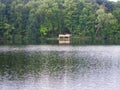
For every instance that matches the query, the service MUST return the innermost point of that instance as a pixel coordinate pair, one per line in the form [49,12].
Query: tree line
[29,21]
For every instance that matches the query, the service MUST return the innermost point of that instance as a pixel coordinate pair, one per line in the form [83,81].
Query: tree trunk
[98,28]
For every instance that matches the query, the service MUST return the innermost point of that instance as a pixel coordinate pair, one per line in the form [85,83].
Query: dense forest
[29,21]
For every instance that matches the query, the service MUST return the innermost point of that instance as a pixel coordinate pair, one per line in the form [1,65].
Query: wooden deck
[64,38]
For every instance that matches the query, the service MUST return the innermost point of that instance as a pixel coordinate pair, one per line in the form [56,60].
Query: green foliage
[106,23]
[27,21]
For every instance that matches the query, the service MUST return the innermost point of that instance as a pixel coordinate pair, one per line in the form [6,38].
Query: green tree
[106,21]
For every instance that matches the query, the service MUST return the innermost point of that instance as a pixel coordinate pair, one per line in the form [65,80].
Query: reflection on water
[59,67]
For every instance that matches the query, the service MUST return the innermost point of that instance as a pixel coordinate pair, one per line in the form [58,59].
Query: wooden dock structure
[64,38]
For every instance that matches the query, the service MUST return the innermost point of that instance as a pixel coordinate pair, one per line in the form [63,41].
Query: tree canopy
[28,21]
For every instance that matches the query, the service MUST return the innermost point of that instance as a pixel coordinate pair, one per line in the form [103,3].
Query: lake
[60,67]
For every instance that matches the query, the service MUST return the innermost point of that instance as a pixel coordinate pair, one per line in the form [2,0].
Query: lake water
[60,67]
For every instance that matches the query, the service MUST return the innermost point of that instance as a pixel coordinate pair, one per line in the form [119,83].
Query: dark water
[59,67]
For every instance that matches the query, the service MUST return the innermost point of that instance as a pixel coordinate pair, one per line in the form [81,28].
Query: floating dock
[64,38]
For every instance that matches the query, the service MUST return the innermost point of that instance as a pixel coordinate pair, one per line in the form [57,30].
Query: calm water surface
[59,67]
